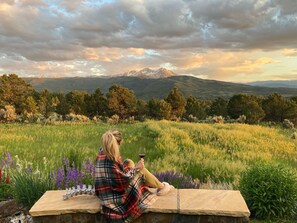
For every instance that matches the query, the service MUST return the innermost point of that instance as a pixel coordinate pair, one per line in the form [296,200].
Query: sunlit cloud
[111,54]
[290,52]
[223,40]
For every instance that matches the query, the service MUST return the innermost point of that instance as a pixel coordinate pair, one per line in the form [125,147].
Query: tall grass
[28,188]
[216,151]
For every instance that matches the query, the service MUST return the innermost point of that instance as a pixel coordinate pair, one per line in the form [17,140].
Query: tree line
[16,94]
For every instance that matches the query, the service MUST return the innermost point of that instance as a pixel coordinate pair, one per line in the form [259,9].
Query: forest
[19,102]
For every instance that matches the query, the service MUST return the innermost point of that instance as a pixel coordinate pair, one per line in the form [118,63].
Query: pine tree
[121,101]
[177,101]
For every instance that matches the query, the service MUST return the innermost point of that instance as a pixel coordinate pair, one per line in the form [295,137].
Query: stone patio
[180,205]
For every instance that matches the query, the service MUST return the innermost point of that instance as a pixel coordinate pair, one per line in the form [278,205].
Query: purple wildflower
[60,178]
[177,179]
[88,168]
[68,176]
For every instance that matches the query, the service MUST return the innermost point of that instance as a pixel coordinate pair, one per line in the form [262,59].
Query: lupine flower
[67,176]
[0,175]
[177,179]
[88,168]
[60,178]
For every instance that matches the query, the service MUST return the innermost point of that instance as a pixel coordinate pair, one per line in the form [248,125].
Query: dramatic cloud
[219,39]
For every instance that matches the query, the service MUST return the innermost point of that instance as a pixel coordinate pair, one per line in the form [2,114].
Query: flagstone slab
[165,204]
[52,203]
[213,202]
[179,205]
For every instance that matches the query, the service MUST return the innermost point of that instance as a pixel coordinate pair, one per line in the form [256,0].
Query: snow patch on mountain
[149,73]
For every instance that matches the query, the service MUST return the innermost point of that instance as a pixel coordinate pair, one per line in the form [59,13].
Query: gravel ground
[10,210]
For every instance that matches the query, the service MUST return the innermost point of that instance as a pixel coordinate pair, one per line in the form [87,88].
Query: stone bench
[179,206]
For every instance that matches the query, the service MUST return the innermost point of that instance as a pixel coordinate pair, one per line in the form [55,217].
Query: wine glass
[141,153]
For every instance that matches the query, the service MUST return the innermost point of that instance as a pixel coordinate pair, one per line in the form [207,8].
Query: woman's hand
[140,164]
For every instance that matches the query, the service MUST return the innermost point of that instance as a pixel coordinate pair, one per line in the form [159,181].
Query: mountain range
[148,84]
[286,84]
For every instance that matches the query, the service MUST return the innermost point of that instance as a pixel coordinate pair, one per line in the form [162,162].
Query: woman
[123,190]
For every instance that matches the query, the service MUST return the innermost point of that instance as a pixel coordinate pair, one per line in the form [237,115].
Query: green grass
[273,221]
[33,142]
[218,151]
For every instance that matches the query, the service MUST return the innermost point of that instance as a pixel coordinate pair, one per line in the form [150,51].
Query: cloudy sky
[229,40]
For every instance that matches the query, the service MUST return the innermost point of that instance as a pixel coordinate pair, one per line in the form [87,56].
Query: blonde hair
[118,135]
[110,144]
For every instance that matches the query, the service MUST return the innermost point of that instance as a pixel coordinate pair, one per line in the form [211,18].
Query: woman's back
[123,197]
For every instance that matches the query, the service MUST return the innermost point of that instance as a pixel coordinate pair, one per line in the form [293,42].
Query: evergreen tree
[96,104]
[63,107]
[121,101]
[159,109]
[276,107]
[76,102]
[195,107]
[247,105]
[141,109]
[219,107]
[44,103]
[177,101]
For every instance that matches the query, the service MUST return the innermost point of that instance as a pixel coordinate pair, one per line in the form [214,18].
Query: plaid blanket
[123,196]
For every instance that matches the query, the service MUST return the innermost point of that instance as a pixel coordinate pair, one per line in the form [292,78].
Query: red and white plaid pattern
[123,196]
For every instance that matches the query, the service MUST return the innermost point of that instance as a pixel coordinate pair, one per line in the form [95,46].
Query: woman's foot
[166,188]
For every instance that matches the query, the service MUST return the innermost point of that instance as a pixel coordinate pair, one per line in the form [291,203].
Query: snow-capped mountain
[149,73]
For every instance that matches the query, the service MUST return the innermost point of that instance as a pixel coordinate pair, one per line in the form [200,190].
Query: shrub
[288,124]
[215,119]
[241,119]
[192,118]
[113,120]
[8,114]
[131,120]
[76,118]
[218,119]
[270,191]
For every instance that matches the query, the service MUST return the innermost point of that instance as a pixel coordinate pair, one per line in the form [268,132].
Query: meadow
[219,152]
[212,154]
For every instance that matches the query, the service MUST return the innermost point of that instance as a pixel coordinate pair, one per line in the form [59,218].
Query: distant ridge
[148,88]
[286,83]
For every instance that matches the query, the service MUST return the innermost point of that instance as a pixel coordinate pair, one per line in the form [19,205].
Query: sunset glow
[236,40]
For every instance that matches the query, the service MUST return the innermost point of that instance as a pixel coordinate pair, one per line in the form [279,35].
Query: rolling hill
[147,88]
